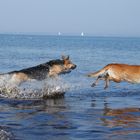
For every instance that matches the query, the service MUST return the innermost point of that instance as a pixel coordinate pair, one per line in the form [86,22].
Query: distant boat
[59,33]
[82,34]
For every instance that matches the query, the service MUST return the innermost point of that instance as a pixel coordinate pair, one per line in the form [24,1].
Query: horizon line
[66,34]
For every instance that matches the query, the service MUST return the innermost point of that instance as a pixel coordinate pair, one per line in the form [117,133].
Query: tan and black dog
[42,71]
[117,73]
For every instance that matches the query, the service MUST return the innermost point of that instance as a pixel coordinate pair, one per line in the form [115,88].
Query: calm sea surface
[84,113]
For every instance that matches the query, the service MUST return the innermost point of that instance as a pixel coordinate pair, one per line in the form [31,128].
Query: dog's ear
[65,57]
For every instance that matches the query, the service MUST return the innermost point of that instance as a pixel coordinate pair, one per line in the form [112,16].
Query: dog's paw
[88,75]
[105,87]
[93,85]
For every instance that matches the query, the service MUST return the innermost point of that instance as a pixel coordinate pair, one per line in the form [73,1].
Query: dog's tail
[98,73]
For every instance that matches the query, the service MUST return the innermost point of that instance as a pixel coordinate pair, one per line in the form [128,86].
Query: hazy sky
[94,17]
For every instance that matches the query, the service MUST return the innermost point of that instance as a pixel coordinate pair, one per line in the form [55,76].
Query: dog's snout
[74,66]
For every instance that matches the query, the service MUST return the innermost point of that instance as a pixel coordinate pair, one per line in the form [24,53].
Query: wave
[48,88]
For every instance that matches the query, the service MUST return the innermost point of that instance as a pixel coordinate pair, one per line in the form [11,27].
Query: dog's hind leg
[106,78]
[19,78]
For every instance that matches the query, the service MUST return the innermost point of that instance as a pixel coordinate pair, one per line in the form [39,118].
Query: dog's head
[61,66]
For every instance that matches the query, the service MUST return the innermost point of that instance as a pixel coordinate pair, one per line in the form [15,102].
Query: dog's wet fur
[42,71]
[117,73]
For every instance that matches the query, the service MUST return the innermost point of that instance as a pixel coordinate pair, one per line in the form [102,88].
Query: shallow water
[84,112]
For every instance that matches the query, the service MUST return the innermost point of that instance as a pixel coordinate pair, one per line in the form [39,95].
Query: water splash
[5,135]
[48,88]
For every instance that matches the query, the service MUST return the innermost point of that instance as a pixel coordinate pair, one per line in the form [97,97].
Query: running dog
[117,73]
[42,71]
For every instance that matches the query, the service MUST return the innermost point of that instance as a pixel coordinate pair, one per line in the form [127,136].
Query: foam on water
[4,135]
[50,87]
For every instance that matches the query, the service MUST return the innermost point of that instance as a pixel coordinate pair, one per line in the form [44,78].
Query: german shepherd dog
[117,73]
[42,71]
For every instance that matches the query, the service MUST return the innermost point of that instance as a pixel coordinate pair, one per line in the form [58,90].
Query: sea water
[84,112]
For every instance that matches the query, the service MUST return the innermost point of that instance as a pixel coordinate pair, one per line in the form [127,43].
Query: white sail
[82,34]
[59,33]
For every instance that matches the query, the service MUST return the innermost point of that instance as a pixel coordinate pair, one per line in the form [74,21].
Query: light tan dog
[117,73]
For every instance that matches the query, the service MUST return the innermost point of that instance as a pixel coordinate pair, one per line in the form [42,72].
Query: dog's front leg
[97,80]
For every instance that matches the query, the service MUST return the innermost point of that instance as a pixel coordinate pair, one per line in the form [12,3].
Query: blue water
[85,112]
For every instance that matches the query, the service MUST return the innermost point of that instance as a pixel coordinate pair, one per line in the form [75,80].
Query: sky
[93,17]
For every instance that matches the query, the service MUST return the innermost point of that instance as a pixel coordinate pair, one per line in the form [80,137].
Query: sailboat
[59,33]
[82,34]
